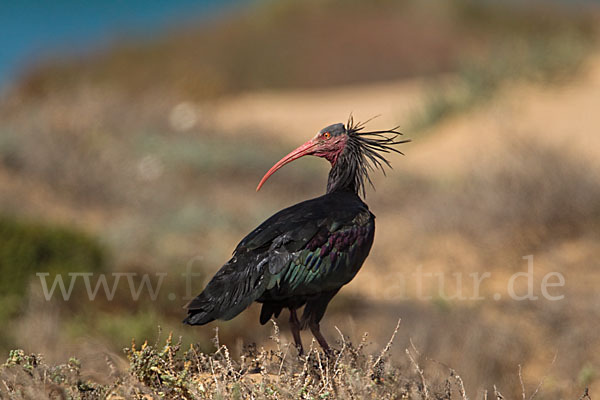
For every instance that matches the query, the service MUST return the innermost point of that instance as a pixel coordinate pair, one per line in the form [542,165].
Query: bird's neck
[343,176]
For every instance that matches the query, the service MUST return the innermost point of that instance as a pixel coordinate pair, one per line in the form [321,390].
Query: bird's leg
[316,331]
[295,327]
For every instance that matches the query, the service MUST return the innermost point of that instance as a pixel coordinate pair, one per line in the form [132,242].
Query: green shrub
[27,248]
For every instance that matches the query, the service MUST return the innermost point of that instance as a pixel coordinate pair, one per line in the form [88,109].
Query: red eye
[327,135]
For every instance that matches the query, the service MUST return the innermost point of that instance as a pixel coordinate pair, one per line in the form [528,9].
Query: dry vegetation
[168,371]
[146,160]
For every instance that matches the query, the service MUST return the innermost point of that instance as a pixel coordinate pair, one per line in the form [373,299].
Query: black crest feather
[366,150]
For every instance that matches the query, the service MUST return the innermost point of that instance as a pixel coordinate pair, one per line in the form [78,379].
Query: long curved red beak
[306,149]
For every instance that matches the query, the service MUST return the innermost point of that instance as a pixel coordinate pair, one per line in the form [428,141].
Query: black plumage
[304,254]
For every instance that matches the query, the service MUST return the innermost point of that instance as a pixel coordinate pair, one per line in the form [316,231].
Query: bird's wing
[264,257]
[329,260]
[285,236]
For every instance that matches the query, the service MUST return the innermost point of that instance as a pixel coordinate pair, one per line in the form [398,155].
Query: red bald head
[328,143]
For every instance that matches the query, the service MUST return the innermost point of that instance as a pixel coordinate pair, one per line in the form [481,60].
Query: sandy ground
[566,113]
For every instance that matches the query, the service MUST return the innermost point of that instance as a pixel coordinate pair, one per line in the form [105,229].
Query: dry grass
[167,371]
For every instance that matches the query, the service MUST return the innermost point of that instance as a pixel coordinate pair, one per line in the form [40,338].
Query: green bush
[27,248]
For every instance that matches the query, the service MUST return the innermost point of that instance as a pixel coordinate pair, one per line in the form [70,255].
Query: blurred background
[133,134]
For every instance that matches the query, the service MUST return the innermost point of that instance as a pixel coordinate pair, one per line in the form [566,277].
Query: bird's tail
[200,311]
[228,293]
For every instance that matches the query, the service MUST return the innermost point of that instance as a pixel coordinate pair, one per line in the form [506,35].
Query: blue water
[31,30]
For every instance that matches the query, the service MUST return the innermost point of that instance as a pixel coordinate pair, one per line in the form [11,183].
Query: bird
[303,255]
